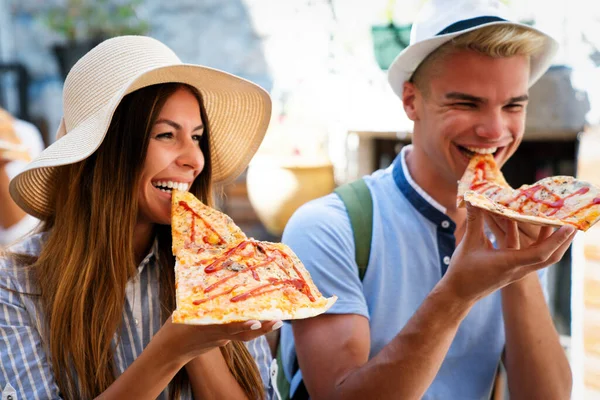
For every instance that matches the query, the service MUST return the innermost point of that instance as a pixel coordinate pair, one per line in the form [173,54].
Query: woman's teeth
[168,186]
[490,150]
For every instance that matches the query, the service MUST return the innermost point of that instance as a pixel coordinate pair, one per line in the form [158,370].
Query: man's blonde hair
[495,41]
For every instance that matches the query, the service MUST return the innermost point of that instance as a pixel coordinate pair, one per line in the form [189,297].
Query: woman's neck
[143,235]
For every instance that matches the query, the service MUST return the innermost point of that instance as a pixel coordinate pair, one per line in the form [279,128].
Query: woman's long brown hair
[88,257]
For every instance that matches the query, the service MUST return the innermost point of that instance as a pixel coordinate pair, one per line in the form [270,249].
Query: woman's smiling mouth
[168,186]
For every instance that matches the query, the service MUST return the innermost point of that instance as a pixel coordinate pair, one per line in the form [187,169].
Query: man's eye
[514,107]
[465,105]
[166,135]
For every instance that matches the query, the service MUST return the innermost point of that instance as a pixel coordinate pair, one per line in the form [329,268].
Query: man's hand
[477,269]
[528,233]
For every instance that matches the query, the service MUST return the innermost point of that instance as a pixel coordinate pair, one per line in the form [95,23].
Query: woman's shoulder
[31,245]
[14,262]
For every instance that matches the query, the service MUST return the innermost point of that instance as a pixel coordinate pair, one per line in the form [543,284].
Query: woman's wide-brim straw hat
[238,112]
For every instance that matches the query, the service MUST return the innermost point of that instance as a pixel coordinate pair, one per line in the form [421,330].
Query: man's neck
[423,173]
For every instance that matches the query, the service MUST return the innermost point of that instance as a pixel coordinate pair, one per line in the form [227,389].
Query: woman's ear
[409,100]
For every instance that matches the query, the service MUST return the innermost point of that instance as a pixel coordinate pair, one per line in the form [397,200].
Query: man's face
[473,103]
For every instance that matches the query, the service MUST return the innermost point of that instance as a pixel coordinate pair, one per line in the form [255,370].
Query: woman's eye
[166,135]
[197,138]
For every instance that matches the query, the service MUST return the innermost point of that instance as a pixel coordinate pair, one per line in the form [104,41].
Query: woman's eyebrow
[176,125]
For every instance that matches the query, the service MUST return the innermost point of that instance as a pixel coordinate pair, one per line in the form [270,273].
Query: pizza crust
[265,315]
[481,201]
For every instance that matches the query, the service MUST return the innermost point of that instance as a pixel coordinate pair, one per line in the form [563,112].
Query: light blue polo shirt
[411,247]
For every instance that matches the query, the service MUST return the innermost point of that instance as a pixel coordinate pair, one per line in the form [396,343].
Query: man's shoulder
[327,210]
[320,222]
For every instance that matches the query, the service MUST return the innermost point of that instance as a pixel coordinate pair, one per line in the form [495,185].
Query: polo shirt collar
[420,200]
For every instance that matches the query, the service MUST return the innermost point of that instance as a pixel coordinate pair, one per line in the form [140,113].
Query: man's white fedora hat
[441,20]
[238,112]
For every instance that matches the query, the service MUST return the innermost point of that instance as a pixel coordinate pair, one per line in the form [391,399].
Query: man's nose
[491,126]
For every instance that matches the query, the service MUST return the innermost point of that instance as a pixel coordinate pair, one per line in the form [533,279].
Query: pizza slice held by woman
[222,276]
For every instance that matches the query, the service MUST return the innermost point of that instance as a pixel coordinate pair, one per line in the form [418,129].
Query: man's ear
[409,100]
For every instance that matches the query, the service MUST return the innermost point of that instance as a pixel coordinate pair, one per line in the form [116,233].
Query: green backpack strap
[283,386]
[359,204]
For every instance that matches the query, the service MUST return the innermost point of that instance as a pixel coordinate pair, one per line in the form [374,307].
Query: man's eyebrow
[475,99]
[176,125]
[464,97]
[518,99]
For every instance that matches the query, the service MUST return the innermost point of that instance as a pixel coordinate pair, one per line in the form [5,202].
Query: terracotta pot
[276,191]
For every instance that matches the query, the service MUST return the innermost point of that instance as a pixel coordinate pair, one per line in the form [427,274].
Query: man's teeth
[168,186]
[478,150]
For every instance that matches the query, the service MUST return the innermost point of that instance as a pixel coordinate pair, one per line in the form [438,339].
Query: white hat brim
[405,63]
[238,111]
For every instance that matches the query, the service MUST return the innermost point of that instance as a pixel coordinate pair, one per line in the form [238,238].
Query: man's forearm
[536,364]
[406,367]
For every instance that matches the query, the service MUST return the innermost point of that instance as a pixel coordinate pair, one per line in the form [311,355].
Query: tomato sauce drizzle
[556,205]
[218,264]
[529,193]
[299,284]
[594,202]
[200,301]
[194,216]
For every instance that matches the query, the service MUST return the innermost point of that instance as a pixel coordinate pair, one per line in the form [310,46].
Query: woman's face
[174,158]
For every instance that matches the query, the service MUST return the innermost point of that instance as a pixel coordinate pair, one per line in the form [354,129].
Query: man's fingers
[545,233]
[543,251]
[558,254]
[512,235]
[494,224]
[529,230]
[475,220]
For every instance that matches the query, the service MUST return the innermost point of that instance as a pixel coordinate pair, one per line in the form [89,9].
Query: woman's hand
[189,341]
[477,269]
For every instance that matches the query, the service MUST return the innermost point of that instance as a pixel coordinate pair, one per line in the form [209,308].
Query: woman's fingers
[266,327]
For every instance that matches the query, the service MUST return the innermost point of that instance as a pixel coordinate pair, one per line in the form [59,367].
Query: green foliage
[95,19]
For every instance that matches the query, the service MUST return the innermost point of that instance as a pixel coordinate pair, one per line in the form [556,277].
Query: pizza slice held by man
[554,201]
[222,276]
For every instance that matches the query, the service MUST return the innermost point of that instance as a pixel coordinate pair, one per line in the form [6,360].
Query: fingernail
[277,325]
[255,326]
